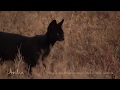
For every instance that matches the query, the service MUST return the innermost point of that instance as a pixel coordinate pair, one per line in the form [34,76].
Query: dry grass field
[91,49]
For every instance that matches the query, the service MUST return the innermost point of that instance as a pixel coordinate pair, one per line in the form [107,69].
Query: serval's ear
[52,24]
[60,23]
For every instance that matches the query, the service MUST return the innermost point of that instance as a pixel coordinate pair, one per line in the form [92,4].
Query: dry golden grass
[91,49]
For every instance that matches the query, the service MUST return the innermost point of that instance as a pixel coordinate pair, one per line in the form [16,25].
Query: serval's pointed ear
[60,23]
[52,24]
